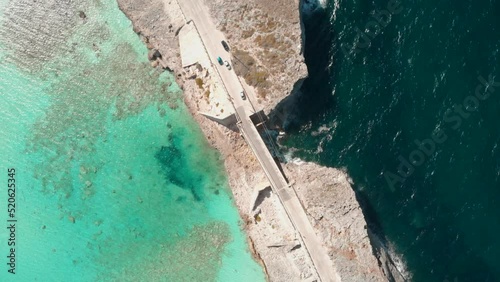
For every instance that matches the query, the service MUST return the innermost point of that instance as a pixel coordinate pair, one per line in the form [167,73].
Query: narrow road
[211,37]
[196,11]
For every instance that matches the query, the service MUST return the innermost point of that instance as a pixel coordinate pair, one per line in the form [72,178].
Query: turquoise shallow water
[114,179]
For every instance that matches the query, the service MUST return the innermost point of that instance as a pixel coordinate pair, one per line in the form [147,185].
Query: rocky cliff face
[335,213]
[158,23]
[266,40]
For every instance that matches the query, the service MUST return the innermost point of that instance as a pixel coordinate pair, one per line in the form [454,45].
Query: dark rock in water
[82,15]
[154,54]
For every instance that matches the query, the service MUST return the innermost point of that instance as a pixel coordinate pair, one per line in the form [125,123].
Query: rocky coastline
[268,36]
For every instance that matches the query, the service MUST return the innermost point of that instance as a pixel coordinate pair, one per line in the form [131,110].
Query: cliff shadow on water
[312,99]
[311,96]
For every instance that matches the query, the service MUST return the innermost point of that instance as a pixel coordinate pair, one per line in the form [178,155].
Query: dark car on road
[224,44]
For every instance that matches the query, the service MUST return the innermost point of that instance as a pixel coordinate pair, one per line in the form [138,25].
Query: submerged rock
[82,15]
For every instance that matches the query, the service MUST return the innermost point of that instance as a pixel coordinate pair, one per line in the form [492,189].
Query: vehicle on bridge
[224,44]
[219,59]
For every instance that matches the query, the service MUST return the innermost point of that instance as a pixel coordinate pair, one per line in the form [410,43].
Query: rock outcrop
[335,213]
[157,22]
[266,38]
[154,54]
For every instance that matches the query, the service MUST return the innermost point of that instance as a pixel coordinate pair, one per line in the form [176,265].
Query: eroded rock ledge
[335,213]
[268,34]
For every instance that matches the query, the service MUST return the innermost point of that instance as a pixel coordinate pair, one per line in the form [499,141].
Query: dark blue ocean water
[406,97]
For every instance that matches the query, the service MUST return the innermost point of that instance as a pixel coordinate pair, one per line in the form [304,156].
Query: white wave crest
[310,6]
